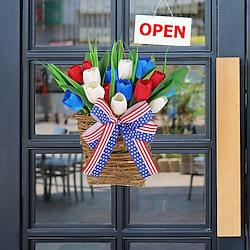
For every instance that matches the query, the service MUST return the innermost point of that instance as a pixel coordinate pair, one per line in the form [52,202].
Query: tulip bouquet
[114,90]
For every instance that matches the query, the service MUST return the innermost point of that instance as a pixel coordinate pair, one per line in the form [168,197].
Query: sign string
[158,5]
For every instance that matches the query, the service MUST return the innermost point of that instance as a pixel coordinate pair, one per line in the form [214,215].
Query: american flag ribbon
[137,129]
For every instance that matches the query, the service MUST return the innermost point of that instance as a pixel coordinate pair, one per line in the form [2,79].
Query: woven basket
[120,169]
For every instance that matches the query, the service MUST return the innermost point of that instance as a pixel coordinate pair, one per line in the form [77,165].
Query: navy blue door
[46,203]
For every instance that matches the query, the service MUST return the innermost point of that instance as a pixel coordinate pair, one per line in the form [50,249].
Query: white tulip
[157,104]
[93,91]
[91,75]
[125,69]
[119,104]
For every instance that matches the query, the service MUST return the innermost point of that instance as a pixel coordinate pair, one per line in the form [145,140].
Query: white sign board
[161,30]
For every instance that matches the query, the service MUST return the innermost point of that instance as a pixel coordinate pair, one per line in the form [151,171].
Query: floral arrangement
[123,90]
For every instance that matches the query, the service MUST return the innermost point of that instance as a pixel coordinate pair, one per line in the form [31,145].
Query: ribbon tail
[102,151]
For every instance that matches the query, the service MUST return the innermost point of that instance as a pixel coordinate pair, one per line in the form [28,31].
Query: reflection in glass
[62,192]
[185,113]
[174,196]
[73,246]
[187,8]
[72,22]
[167,246]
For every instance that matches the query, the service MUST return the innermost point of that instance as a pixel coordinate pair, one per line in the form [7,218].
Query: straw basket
[120,169]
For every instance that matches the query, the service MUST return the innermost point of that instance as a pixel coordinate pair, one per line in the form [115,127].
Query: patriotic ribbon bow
[136,129]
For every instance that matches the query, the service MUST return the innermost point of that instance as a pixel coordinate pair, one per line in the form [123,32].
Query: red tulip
[106,87]
[86,65]
[143,90]
[157,77]
[75,73]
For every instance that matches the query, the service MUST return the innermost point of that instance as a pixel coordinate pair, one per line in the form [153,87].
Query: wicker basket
[120,169]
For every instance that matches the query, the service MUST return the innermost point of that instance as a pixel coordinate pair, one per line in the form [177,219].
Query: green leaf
[120,50]
[76,86]
[132,55]
[136,59]
[177,75]
[91,53]
[87,57]
[132,101]
[104,63]
[96,57]
[164,68]
[113,61]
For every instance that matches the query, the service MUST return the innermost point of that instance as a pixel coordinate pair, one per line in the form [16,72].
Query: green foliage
[104,63]
[113,66]
[135,61]
[120,50]
[93,54]
[65,82]
[165,67]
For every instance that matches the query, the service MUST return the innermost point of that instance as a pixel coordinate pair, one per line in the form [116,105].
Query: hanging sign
[162,30]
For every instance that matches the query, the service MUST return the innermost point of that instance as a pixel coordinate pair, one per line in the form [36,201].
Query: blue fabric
[144,66]
[72,101]
[125,87]
[107,78]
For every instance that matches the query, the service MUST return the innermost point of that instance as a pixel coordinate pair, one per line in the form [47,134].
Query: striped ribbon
[137,129]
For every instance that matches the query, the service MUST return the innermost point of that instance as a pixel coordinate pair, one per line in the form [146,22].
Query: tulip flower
[125,69]
[75,73]
[72,101]
[125,87]
[157,104]
[93,91]
[108,75]
[157,77]
[119,104]
[143,90]
[86,65]
[144,66]
[92,75]
[106,87]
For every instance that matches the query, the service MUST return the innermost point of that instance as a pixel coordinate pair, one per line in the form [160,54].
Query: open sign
[161,30]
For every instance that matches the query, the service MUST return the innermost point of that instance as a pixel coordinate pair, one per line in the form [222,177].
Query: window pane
[185,113]
[62,192]
[174,196]
[51,116]
[194,9]
[72,246]
[72,22]
[167,246]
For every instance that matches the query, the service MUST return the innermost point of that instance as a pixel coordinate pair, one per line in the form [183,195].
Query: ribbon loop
[136,128]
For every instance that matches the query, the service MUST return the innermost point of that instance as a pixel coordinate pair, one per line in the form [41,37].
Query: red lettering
[157,28]
[148,26]
[168,30]
[179,31]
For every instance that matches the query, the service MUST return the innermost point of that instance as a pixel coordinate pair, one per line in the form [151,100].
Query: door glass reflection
[73,246]
[188,8]
[167,246]
[72,22]
[174,196]
[63,195]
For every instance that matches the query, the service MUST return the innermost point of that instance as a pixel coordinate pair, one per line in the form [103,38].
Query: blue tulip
[125,87]
[107,78]
[171,93]
[72,101]
[144,66]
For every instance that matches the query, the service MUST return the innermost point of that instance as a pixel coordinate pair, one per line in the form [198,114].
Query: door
[45,195]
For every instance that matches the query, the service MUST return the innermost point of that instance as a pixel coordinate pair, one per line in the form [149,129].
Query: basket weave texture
[120,169]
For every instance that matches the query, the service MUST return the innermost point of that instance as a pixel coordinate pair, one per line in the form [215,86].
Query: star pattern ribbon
[137,129]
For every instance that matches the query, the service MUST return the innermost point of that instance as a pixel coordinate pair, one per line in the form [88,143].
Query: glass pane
[73,246]
[51,116]
[194,9]
[72,22]
[62,192]
[167,246]
[174,196]
[185,113]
